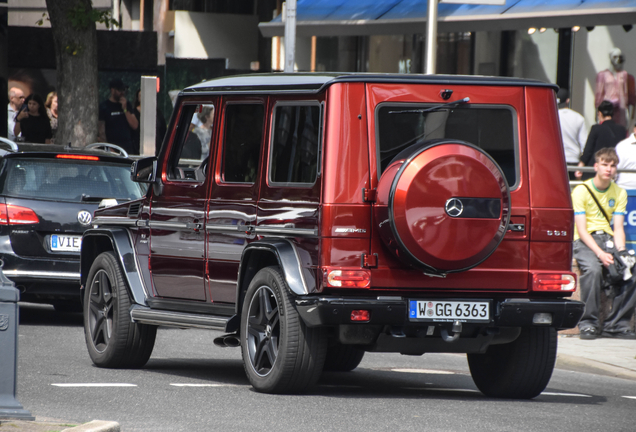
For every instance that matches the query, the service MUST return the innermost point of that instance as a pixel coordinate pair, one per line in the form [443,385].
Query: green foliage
[80,18]
[74,49]
[41,20]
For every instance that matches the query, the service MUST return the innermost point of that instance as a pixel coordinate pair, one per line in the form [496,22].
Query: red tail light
[360,315]
[553,282]
[348,278]
[16,215]
[79,157]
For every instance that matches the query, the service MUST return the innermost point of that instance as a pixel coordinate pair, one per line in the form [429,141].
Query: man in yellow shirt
[593,238]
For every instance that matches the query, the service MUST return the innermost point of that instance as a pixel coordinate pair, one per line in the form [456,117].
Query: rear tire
[342,358]
[280,353]
[112,339]
[516,370]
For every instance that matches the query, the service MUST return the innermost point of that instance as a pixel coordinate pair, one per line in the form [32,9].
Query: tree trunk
[77,79]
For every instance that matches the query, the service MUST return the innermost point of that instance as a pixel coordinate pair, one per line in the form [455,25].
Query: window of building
[295,144]
[245,7]
[242,142]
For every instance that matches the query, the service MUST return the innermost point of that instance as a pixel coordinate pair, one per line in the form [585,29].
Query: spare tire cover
[444,207]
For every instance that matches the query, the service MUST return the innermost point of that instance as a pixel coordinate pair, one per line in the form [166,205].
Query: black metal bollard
[10,408]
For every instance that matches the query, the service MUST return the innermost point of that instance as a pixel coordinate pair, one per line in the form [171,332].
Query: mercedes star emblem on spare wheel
[85,217]
[454,207]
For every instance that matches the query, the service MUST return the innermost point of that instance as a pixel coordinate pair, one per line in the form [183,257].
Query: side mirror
[144,170]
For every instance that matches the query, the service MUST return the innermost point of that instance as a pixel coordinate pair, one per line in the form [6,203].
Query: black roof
[315,82]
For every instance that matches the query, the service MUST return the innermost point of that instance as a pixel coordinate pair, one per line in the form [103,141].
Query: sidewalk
[610,357]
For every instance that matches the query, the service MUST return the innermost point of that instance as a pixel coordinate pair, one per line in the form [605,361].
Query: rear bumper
[331,311]
[42,280]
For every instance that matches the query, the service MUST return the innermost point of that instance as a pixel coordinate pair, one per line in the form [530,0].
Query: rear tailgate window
[68,180]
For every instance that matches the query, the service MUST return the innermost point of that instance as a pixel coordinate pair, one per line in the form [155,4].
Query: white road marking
[424,371]
[341,386]
[442,389]
[566,394]
[206,385]
[93,385]
[629,397]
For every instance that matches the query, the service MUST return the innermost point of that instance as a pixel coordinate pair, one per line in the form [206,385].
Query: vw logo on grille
[454,207]
[84,217]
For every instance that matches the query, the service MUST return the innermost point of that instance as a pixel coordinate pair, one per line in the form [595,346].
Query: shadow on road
[362,383]
[46,315]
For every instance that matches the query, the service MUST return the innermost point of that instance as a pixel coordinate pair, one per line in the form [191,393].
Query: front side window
[491,128]
[192,146]
[295,144]
[242,142]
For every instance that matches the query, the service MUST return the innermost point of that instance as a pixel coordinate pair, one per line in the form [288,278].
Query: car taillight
[77,157]
[361,315]
[553,282]
[16,215]
[348,278]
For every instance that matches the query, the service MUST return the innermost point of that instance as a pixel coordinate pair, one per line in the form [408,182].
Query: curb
[581,364]
[95,426]
[42,424]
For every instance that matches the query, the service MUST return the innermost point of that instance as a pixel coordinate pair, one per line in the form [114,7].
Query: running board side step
[144,315]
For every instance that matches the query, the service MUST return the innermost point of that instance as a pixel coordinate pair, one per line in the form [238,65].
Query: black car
[47,197]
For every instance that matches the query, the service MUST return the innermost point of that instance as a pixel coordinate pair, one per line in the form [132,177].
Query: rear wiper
[434,108]
[90,198]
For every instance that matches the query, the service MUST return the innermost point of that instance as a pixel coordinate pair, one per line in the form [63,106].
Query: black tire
[112,339]
[280,353]
[516,370]
[342,358]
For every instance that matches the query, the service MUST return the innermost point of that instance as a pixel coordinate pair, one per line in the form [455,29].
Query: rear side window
[493,128]
[242,142]
[68,180]
[295,144]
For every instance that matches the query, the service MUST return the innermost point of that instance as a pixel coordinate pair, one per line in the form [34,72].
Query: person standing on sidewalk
[117,122]
[573,130]
[595,201]
[604,134]
[16,100]
[626,151]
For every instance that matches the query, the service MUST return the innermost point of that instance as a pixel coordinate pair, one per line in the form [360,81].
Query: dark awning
[371,17]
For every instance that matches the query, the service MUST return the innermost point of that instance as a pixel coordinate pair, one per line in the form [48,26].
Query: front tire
[112,339]
[516,370]
[280,353]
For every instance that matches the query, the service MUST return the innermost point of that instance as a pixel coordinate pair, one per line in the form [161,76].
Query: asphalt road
[191,385]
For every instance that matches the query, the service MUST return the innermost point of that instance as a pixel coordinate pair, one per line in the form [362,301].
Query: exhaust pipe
[230,340]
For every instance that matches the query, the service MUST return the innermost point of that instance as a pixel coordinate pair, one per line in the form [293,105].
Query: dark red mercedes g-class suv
[324,216]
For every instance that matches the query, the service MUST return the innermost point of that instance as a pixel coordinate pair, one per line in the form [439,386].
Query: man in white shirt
[626,151]
[16,99]
[573,130]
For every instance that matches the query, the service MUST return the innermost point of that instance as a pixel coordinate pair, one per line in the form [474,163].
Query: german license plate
[69,243]
[445,311]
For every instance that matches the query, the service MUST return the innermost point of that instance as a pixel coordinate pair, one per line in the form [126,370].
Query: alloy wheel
[101,310]
[263,330]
